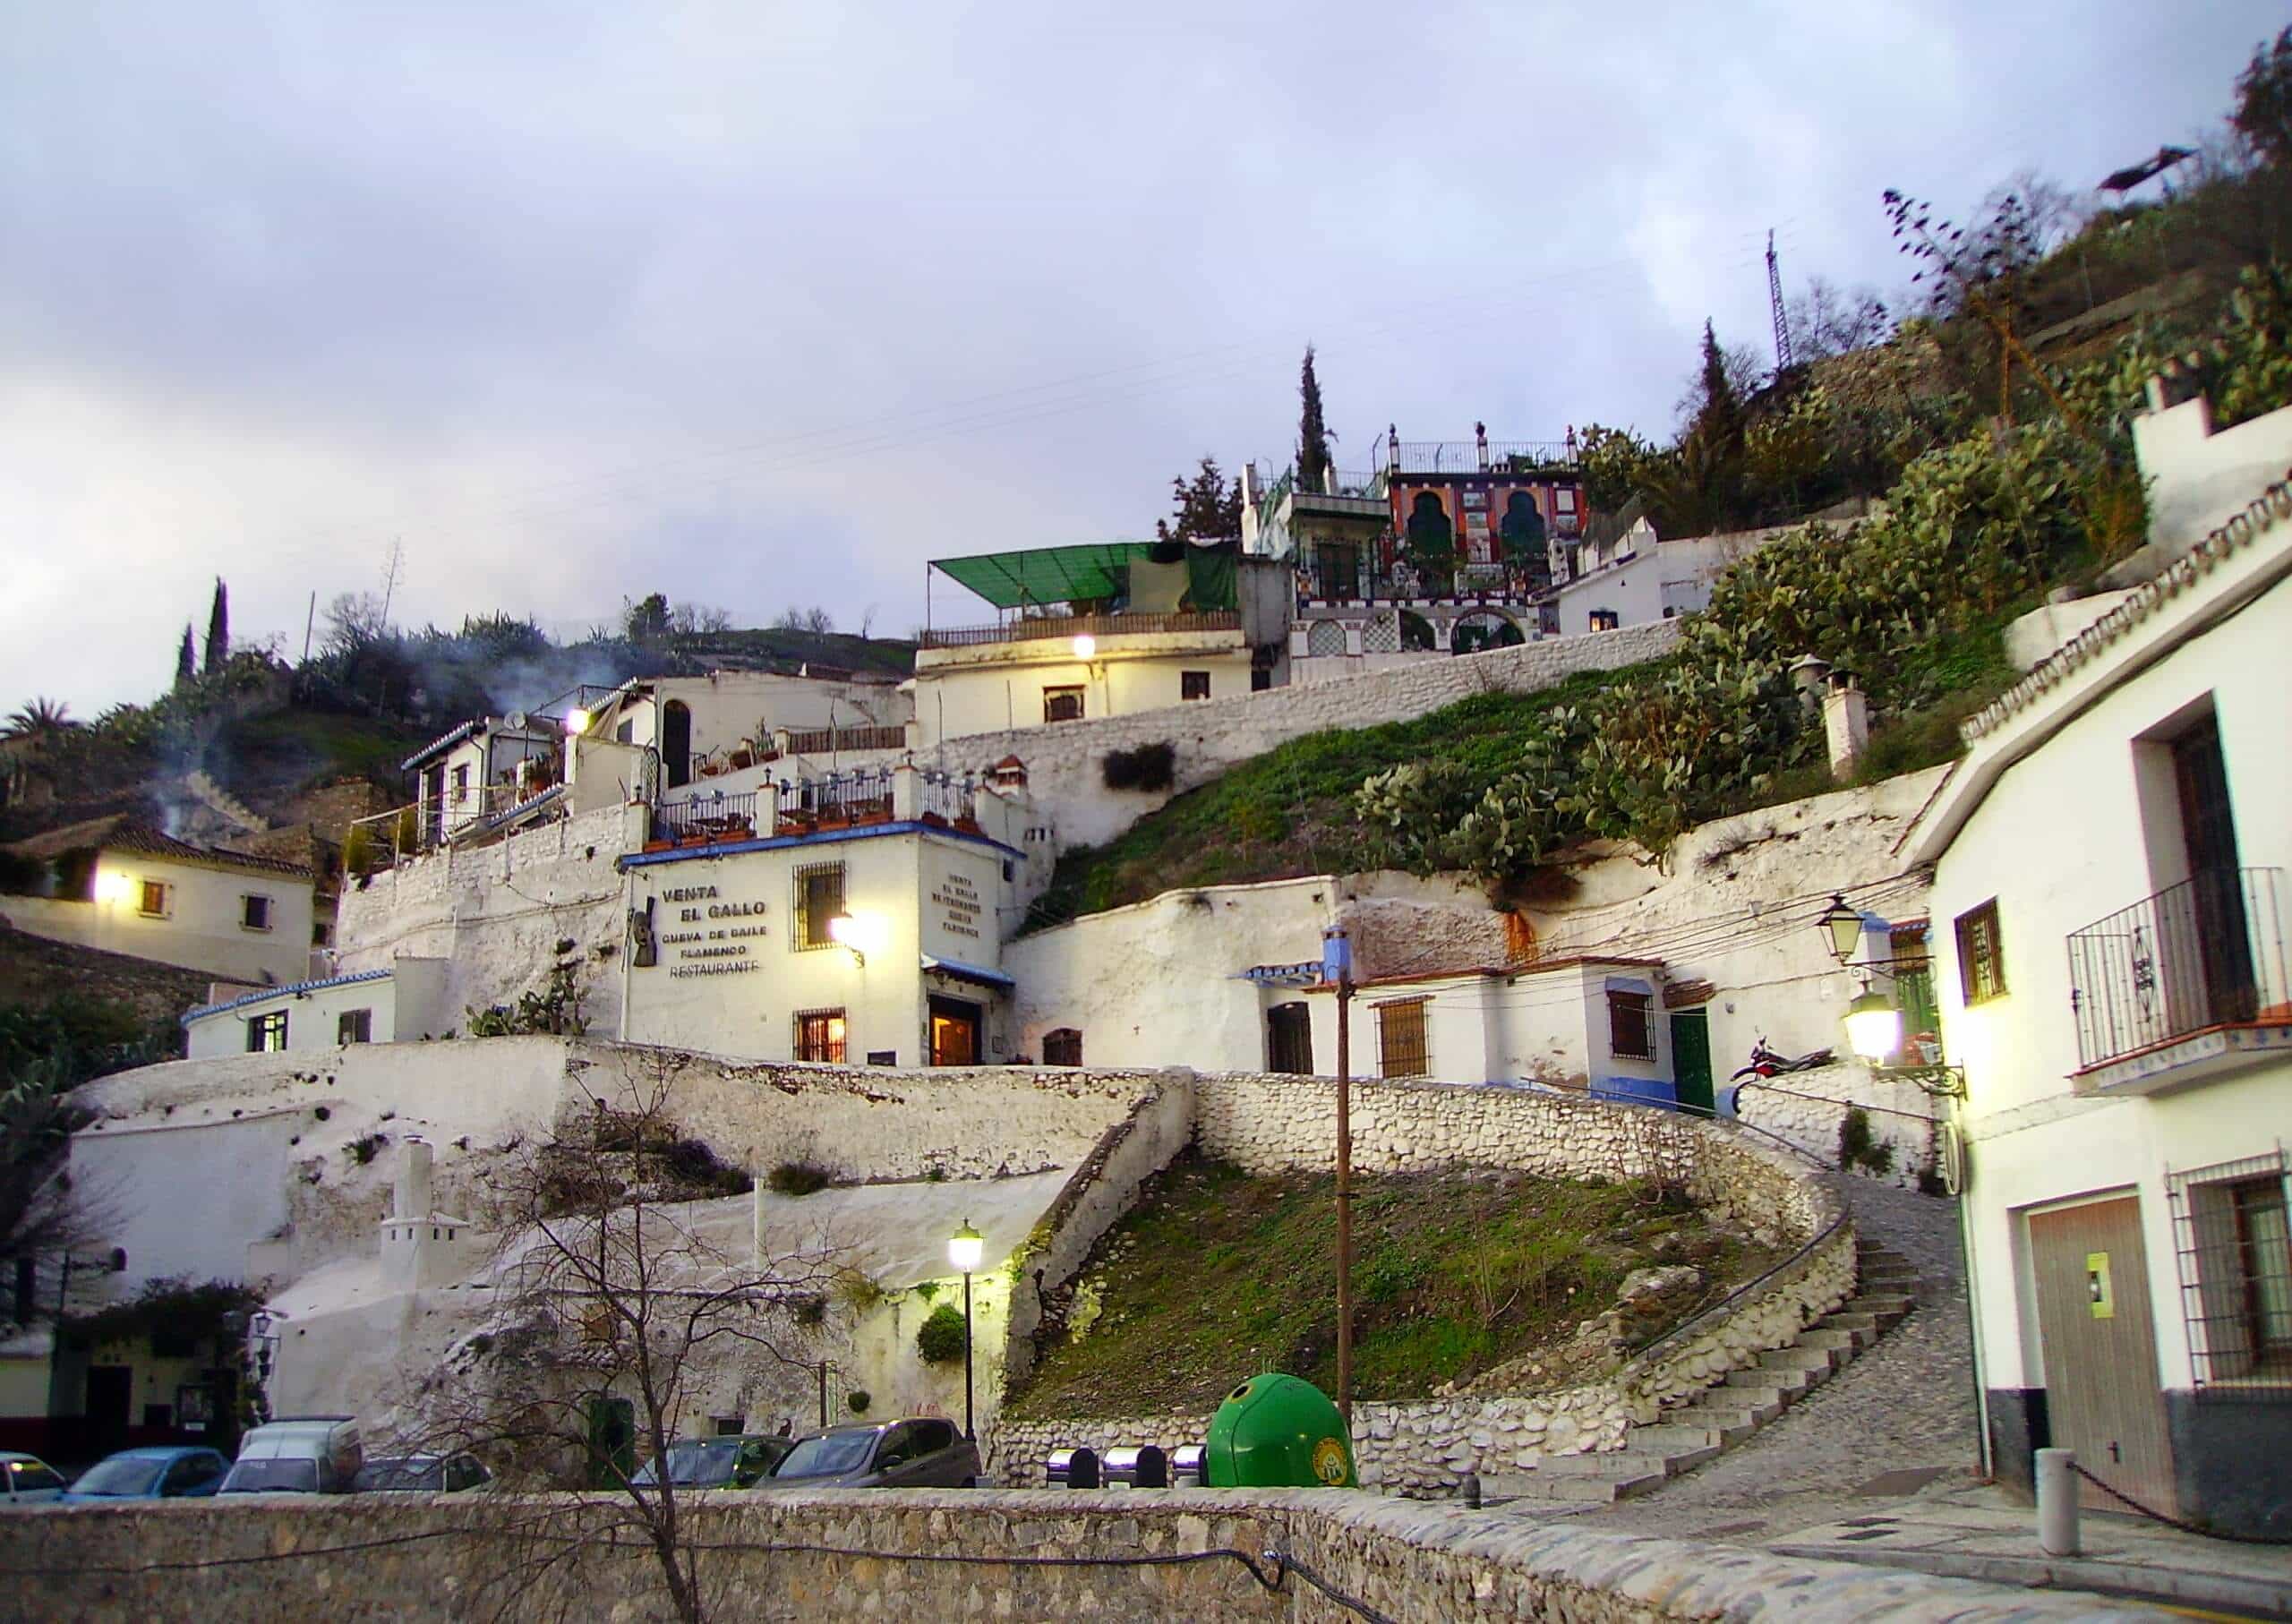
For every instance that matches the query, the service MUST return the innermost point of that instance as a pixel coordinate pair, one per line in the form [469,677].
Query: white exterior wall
[187,1201]
[998,686]
[201,928]
[496,913]
[2197,477]
[2055,862]
[734,984]
[729,707]
[406,1006]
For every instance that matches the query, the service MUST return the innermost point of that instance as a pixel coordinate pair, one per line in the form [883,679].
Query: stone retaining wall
[1809,1108]
[935,1555]
[1064,771]
[1270,1124]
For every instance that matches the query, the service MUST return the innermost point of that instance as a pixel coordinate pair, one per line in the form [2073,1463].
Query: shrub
[1149,766]
[364,1149]
[799,1178]
[941,1340]
[858,1399]
[692,1163]
[1858,1147]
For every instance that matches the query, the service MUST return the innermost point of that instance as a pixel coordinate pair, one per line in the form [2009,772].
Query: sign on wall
[955,903]
[709,934]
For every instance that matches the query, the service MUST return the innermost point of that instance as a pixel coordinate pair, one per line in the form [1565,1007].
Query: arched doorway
[1484,630]
[1417,633]
[676,742]
[1432,542]
[1527,554]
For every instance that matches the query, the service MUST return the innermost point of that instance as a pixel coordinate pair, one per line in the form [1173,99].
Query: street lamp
[964,1249]
[1843,924]
[1873,1026]
[1085,646]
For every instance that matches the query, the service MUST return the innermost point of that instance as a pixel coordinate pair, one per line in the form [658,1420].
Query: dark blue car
[175,1473]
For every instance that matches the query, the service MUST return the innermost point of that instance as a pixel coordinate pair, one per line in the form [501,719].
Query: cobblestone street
[1904,1406]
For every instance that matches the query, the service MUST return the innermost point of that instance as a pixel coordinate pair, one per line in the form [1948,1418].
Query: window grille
[1401,1049]
[1062,703]
[2233,1245]
[1630,1036]
[819,898]
[1193,685]
[1981,955]
[819,1036]
[1062,1048]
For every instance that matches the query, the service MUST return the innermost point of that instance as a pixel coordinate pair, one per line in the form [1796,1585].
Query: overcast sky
[759,304]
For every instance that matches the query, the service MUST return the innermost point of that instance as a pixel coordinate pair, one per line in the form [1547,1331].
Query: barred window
[2233,1238]
[1981,955]
[1062,703]
[1062,1048]
[819,1036]
[1630,1036]
[1400,1038]
[819,898]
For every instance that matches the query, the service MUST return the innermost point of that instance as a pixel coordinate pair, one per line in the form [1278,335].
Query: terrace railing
[2206,952]
[718,816]
[1032,627]
[826,741]
[1471,455]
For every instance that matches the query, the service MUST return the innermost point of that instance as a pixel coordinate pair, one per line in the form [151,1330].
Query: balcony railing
[826,742]
[1474,456]
[2206,952]
[1034,627]
[717,817]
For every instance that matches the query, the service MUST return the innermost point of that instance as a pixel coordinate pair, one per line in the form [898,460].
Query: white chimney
[413,1198]
[1846,725]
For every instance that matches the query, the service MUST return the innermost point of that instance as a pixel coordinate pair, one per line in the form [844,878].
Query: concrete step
[1842,1342]
[1846,1318]
[1677,1431]
[1780,1386]
[1727,1408]
[1626,1463]
[1568,1490]
[1881,1303]
[1819,1361]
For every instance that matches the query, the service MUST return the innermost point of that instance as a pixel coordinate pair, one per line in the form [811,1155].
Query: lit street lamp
[1873,1026]
[964,1249]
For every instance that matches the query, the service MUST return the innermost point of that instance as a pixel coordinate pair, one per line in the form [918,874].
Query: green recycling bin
[1276,1431]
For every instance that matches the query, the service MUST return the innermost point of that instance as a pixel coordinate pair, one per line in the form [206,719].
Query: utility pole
[1336,964]
[1775,306]
[309,624]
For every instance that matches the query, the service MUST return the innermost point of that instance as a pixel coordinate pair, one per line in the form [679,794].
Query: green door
[1691,1060]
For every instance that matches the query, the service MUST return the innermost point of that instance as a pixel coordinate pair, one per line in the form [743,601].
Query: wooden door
[954,1032]
[1692,1061]
[2208,941]
[2100,1342]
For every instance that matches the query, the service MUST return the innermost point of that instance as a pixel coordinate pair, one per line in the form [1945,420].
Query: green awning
[1085,573]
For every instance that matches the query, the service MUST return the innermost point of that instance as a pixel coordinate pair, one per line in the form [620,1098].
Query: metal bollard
[2058,1496]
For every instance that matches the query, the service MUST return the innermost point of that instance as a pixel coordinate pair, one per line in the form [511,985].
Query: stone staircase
[1726,1414]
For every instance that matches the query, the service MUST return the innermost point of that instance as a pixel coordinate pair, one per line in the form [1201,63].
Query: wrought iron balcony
[2206,953]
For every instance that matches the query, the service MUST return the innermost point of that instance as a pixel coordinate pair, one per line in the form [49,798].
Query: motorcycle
[1767,1063]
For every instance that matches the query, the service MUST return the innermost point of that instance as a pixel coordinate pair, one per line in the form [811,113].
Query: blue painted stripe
[778,842]
[205,1009]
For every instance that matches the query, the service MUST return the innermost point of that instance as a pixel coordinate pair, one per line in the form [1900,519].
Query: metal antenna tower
[1774,303]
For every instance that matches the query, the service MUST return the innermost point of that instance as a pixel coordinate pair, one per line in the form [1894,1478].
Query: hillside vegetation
[1216,1275]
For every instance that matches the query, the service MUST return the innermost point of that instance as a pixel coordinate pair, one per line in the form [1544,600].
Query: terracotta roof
[123,832]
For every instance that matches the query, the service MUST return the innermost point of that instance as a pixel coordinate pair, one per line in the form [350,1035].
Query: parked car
[423,1474]
[181,1472]
[306,1455]
[716,1463]
[924,1452]
[29,1481]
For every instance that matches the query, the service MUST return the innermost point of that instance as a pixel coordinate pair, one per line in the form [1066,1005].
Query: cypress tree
[218,629]
[186,657]
[1312,433]
[1720,420]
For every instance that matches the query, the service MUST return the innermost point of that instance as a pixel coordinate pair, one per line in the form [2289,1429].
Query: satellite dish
[516,720]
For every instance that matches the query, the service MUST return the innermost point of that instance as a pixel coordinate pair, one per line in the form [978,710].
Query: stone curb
[2137,1582]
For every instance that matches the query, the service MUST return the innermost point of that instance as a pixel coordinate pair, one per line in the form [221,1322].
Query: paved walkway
[1897,1419]
[1879,1466]
[1978,1533]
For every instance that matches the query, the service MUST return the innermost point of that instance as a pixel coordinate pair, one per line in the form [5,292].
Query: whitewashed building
[120,885]
[406,1003]
[858,917]
[2109,904]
